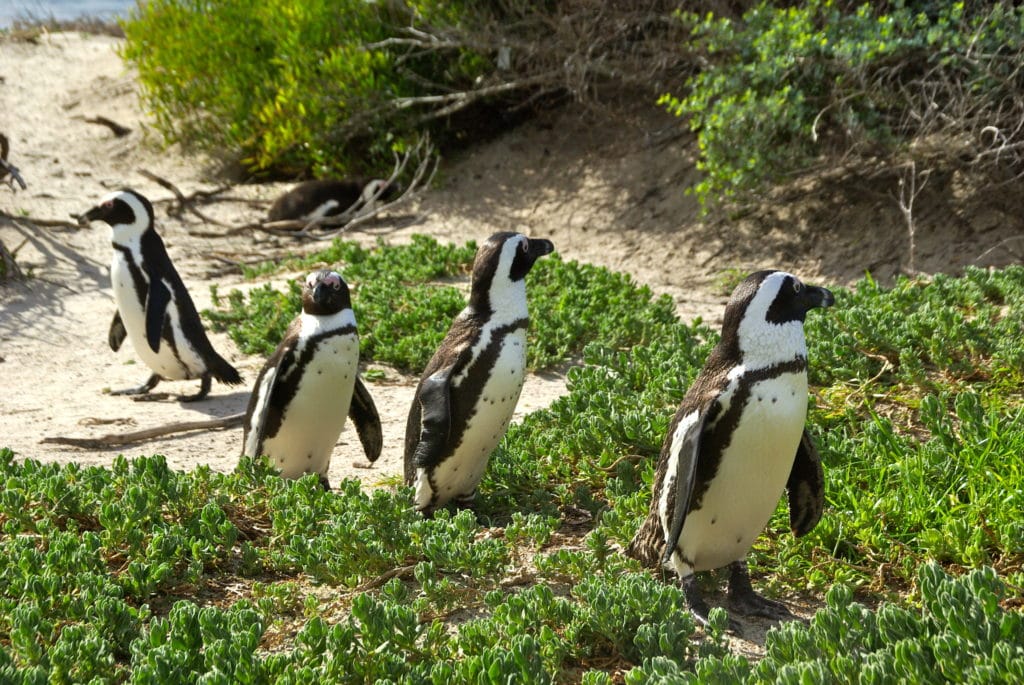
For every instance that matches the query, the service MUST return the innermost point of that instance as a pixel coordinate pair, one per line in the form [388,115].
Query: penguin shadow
[215,405]
[62,259]
[40,297]
[33,305]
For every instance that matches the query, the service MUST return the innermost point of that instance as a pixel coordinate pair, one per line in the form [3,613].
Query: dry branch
[8,169]
[117,439]
[424,151]
[909,190]
[185,202]
[49,223]
[117,129]
[358,214]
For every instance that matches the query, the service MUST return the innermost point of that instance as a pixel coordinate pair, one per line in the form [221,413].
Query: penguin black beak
[815,296]
[322,293]
[92,215]
[539,247]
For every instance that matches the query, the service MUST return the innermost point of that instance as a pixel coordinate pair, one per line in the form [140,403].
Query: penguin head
[325,292]
[765,316]
[500,269]
[128,213]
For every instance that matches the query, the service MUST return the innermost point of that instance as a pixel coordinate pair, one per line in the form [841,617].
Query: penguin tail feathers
[224,372]
[648,543]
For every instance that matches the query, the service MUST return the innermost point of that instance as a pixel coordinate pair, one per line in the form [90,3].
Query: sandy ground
[56,366]
[606,188]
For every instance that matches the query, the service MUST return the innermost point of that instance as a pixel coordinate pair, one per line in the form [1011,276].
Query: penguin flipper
[363,413]
[261,413]
[256,414]
[806,487]
[156,311]
[435,422]
[117,332]
[685,477]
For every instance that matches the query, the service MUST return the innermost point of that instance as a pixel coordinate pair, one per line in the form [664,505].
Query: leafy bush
[789,83]
[291,85]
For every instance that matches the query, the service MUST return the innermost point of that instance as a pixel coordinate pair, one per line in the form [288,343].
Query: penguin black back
[328,197]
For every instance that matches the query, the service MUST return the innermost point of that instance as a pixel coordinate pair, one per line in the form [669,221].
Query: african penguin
[469,389]
[737,440]
[154,309]
[310,384]
[314,200]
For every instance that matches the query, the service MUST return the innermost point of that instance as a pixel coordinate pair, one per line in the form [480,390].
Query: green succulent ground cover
[139,573]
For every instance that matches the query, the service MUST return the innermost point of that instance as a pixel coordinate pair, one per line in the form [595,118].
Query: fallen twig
[185,202]
[403,572]
[115,439]
[63,223]
[117,129]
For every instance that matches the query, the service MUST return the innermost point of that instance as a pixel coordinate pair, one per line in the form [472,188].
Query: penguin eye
[524,246]
[108,204]
[797,287]
[336,284]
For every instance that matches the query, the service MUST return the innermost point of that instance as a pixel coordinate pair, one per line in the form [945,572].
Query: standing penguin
[313,200]
[470,387]
[737,440]
[310,384]
[153,308]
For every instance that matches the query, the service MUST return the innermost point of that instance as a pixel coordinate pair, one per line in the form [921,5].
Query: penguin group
[737,442]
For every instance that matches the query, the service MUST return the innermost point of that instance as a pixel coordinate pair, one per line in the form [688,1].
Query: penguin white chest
[180,362]
[751,476]
[314,418]
[459,475]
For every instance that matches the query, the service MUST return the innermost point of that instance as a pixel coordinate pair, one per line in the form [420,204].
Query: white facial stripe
[508,297]
[123,233]
[764,343]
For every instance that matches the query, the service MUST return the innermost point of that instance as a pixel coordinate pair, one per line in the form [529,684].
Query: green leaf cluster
[76,606]
[960,634]
[294,86]
[788,83]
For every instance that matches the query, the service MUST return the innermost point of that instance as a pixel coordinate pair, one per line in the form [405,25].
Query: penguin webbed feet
[744,601]
[139,389]
[699,608]
[204,390]
[142,392]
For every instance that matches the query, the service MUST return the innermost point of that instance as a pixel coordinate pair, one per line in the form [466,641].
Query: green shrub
[790,84]
[292,86]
